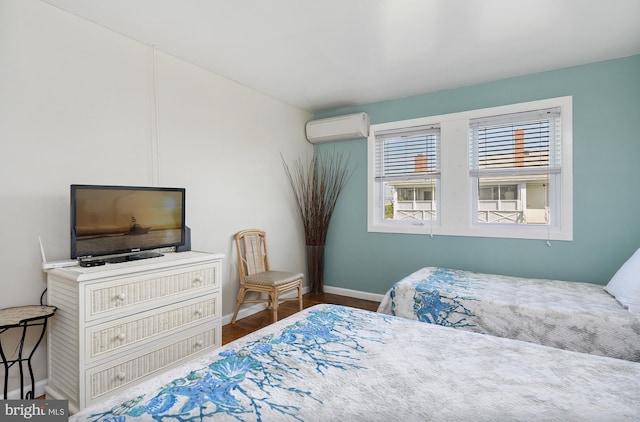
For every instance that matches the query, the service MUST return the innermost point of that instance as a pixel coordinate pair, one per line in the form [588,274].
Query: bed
[568,315]
[330,363]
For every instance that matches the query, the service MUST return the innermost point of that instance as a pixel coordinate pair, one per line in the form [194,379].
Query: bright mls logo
[34,410]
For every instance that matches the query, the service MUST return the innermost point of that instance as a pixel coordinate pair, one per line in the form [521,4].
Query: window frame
[454,189]
[376,188]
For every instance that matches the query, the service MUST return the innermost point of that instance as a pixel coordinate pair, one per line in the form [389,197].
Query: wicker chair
[257,276]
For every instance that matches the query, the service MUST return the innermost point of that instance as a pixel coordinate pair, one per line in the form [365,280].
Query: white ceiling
[325,54]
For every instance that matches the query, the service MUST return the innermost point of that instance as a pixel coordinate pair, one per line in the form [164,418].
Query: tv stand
[136,256]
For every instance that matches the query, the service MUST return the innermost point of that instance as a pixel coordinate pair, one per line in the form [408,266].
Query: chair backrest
[251,246]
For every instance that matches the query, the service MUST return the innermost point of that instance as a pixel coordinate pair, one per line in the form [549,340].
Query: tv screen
[111,220]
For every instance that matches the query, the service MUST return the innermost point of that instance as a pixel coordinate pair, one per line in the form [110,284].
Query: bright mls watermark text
[34,410]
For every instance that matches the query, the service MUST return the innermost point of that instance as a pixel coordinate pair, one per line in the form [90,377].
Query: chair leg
[239,301]
[275,299]
[300,296]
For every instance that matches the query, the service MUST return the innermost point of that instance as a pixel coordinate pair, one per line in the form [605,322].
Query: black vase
[315,268]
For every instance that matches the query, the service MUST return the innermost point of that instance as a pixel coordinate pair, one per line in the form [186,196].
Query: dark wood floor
[261,319]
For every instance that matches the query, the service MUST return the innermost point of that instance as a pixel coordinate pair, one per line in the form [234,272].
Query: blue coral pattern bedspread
[568,315]
[333,363]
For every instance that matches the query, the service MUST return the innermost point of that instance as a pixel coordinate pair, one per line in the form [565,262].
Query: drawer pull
[198,279]
[199,343]
[121,375]
[199,311]
[121,296]
[121,337]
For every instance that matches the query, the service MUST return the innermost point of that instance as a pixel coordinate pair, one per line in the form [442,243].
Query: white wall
[77,105]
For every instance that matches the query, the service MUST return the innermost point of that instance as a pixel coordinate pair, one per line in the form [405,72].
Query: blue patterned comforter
[568,315]
[331,363]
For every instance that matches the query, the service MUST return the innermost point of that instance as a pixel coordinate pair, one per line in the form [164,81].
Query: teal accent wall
[606,153]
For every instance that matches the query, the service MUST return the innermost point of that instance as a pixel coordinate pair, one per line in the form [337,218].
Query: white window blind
[408,153]
[519,143]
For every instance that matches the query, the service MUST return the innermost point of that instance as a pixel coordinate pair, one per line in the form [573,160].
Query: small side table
[24,317]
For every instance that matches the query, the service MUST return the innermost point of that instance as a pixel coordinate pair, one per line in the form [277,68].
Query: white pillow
[625,284]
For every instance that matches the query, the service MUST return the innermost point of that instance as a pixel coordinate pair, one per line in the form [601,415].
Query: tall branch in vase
[316,184]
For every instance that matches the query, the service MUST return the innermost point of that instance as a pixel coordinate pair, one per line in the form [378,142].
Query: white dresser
[120,323]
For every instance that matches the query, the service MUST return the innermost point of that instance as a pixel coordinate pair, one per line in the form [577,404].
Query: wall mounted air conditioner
[349,126]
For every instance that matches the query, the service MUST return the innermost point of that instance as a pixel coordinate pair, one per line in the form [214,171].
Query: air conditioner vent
[349,126]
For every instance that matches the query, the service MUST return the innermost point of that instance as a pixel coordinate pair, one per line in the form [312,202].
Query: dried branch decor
[316,184]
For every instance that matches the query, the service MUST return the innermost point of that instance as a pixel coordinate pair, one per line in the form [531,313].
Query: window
[514,162]
[492,192]
[498,172]
[407,169]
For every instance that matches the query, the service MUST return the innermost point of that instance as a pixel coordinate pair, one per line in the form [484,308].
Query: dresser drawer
[136,294]
[106,379]
[104,340]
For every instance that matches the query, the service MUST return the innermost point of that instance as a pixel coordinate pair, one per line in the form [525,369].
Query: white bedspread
[567,315]
[332,363]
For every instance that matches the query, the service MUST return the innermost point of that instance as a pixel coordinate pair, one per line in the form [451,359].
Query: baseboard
[39,390]
[248,310]
[254,308]
[354,293]
[245,311]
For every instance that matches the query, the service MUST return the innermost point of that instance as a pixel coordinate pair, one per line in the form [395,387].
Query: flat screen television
[121,222]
